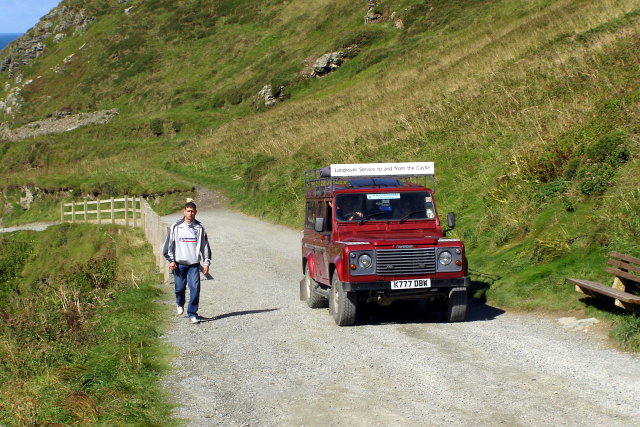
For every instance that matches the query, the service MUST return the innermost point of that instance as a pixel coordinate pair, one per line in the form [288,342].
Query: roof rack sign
[382,169]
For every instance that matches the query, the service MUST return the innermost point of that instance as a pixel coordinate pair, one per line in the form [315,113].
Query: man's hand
[205,269]
[172,266]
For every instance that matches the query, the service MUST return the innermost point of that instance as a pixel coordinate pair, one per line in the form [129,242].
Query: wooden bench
[625,289]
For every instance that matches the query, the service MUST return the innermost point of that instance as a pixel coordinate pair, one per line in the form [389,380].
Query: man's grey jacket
[187,243]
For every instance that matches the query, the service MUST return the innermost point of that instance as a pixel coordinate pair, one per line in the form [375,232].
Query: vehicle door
[321,258]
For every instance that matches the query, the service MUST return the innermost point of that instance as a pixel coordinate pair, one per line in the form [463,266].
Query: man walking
[184,246]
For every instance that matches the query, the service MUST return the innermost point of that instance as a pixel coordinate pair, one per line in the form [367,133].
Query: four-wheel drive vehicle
[372,233]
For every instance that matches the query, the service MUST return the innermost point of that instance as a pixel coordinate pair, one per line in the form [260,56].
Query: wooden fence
[129,211]
[124,210]
[155,230]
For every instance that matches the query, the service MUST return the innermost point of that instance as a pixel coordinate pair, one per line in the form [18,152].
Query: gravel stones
[262,357]
[59,122]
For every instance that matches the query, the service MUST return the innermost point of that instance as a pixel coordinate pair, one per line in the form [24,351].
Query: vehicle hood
[393,239]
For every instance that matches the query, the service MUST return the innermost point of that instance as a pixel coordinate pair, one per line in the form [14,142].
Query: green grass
[529,110]
[80,336]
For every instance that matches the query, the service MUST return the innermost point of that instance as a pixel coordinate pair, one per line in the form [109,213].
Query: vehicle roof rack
[374,182]
[369,175]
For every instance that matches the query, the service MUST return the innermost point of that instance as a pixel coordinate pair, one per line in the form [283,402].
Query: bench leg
[617,284]
[631,307]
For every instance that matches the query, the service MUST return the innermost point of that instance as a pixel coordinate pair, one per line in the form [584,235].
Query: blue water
[6,38]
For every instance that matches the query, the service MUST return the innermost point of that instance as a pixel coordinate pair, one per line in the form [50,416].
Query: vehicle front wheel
[457,306]
[342,304]
[313,299]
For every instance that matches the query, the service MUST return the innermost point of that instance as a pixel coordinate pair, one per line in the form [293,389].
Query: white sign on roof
[383,169]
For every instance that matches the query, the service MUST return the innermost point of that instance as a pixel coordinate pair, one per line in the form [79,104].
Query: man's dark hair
[190,205]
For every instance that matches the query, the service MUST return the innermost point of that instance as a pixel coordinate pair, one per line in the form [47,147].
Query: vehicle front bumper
[436,285]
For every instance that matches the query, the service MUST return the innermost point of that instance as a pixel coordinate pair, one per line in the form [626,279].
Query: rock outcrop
[327,63]
[25,202]
[267,97]
[58,122]
[60,22]
[376,14]
[12,102]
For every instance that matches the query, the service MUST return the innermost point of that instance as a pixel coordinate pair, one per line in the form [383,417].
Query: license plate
[411,284]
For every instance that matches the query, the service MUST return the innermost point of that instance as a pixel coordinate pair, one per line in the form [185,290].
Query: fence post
[143,216]
[133,210]
[98,211]
[86,213]
[113,218]
[62,212]
[126,210]
[73,212]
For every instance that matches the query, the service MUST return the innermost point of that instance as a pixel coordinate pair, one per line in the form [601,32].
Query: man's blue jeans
[188,275]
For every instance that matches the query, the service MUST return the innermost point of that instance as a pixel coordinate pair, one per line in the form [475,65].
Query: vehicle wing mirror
[319,225]
[451,220]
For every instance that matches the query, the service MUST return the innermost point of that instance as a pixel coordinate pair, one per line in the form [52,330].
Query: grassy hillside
[79,330]
[530,110]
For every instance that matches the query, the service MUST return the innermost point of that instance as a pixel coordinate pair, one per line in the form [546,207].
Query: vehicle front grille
[405,261]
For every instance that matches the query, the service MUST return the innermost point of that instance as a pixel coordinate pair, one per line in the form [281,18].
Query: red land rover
[372,233]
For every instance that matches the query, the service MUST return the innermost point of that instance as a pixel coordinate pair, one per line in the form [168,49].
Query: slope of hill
[530,110]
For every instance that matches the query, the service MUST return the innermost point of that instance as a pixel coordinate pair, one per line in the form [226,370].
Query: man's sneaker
[180,309]
[194,319]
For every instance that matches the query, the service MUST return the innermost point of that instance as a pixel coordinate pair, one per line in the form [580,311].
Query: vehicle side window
[329,217]
[310,214]
[321,211]
[324,211]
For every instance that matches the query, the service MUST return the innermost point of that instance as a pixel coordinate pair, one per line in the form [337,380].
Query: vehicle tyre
[313,299]
[342,304]
[457,306]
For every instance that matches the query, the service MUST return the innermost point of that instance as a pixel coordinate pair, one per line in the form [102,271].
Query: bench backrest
[624,266]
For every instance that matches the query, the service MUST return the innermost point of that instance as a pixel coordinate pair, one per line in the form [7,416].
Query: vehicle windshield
[400,206]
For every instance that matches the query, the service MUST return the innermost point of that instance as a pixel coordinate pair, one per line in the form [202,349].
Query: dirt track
[262,357]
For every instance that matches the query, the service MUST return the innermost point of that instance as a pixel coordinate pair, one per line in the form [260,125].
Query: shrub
[176,126]
[156,126]
[595,177]
[610,148]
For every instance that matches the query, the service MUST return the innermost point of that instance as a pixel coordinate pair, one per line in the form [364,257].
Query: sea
[6,38]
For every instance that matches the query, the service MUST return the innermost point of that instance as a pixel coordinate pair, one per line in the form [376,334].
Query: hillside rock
[25,202]
[60,22]
[12,102]
[58,122]
[376,15]
[327,63]
[267,97]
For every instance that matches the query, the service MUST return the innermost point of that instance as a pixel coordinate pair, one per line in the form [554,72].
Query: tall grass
[79,337]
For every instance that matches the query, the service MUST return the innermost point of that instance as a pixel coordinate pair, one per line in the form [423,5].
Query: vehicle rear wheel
[342,304]
[313,299]
[457,306]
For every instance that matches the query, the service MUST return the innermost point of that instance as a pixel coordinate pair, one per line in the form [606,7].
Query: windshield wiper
[368,217]
[406,217]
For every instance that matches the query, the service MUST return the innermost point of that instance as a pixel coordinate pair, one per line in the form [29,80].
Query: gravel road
[262,357]
[36,226]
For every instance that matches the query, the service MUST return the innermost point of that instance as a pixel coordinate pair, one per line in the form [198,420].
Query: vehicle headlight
[364,261]
[444,258]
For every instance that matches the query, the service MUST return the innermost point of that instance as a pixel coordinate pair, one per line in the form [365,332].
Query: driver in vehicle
[347,209]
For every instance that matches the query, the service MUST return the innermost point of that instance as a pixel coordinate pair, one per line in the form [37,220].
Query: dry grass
[411,100]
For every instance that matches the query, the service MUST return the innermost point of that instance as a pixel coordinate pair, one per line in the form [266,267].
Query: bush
[610,148]
[176,126]
[595,178]
[156,126]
